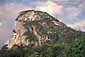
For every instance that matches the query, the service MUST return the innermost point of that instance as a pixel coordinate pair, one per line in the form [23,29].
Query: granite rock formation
[38,28]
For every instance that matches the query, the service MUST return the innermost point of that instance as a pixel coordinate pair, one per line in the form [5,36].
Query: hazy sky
[71,12]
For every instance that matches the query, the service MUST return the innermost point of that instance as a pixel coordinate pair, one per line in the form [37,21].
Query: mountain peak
[33,15]
[37,28]
[38,34]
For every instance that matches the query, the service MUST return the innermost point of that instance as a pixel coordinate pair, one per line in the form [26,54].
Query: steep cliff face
[38,28]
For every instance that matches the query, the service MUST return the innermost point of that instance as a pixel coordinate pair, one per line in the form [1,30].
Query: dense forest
[74,49]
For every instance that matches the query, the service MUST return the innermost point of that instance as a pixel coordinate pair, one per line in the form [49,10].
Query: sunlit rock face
[37,28]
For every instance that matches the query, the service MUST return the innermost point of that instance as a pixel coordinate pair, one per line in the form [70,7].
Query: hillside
[39,34]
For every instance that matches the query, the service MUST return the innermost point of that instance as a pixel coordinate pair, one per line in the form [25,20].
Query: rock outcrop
[38,28]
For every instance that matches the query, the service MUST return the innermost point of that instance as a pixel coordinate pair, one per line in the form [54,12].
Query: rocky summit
[39,34]
[38,28]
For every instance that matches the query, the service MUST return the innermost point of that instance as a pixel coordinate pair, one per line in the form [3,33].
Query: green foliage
[76,49]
